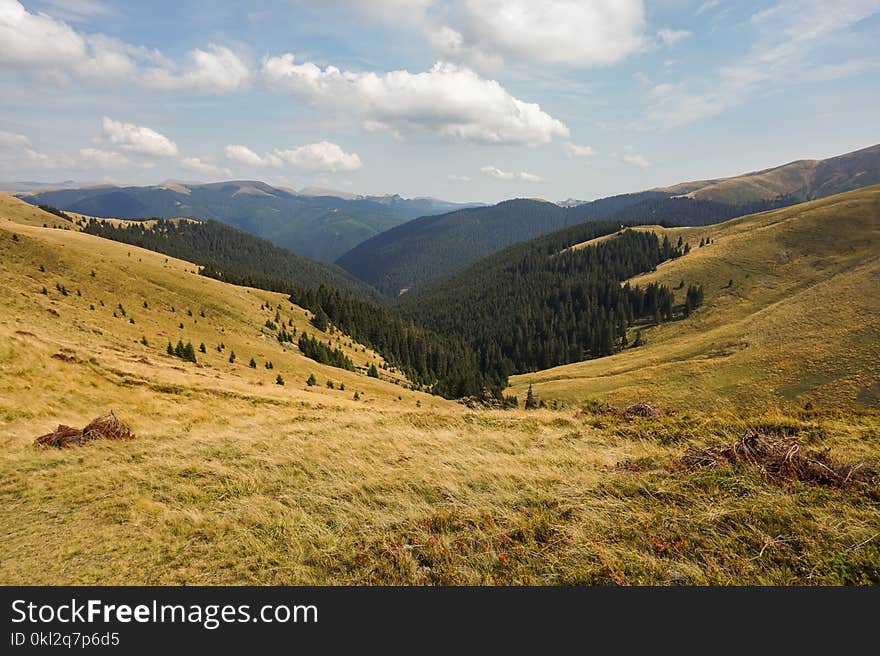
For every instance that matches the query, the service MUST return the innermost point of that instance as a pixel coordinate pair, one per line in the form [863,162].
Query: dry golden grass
[800,323]
[232,479]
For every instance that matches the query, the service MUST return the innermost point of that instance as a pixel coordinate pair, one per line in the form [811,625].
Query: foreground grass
[319,496]
[233,479]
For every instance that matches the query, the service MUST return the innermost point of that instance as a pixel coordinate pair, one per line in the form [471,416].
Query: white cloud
[451,44]
[206,168]
[110,159]
[215,70]
[16,151]
[482,32]
[671,37]
[244,155]
[447,100]
[788,33]
[495,172]
[574,32]
[138,139]
[322,156]
[634,159]
[458,178]
[52,49]
[574,150]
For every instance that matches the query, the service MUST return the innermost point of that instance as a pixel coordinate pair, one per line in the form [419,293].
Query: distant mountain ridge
[424,251]
[320,227]
[806,179]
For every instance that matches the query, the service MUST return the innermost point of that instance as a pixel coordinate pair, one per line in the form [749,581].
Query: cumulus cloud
[447,100]
[200,166]
[138,139]
[16,151]
[244,155]
[51,48]
[483,32]
[671,37]
[110,159]
[574,150]
[322,156]
[495,172]
[215,70]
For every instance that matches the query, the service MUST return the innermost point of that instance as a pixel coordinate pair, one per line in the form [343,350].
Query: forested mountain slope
[791,316]
[318,227]
[421,252]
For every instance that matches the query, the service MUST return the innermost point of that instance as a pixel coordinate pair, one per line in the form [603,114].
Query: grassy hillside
[228,250]
[317,227]
[791,316]
[802,180]
[232,479]
[97,351]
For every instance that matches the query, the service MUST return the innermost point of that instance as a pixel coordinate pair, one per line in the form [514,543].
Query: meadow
[235,479]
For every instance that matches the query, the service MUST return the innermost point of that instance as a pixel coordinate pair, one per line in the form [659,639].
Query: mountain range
[320,227]
[422,252]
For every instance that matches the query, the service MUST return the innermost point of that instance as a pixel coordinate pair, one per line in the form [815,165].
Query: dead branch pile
[637,410]
[782,459]
[105,427]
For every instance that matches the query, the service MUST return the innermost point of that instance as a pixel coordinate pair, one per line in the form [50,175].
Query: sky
[466,100]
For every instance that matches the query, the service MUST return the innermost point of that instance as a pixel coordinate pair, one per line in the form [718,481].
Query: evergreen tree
[279,380]
[253,364]
[311,381]
[531,403]
[232,357]
[320,320]
[372,372]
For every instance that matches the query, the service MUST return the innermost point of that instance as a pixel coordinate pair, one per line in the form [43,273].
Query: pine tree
[279,380]
[253,364]
[202,348]
[320,320]
[372,372]
[232,357]
[170,349]
[531,403]
[311,381]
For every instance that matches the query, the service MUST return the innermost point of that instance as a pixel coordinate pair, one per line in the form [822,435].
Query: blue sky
[460,99]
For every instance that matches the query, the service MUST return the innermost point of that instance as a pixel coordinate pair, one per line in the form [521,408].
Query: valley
[233,478]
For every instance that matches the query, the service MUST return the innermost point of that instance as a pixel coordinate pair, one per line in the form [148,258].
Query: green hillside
[791,316]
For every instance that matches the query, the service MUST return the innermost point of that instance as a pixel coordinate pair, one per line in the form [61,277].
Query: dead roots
[105,427]
[781,459]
